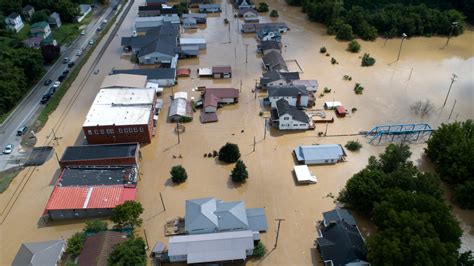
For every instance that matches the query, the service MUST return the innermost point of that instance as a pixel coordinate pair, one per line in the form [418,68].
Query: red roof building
[184,72]
[341,111]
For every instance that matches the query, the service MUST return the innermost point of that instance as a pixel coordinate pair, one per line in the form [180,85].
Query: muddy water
[389,91]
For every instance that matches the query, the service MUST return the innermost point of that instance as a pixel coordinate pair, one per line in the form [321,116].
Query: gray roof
[167,30]
[257,219]
[231,215]
[151,73]
[180,107]
[283,107]
[54,15]
[83,8]
[39,253]
[242,11]
[98,152]
[274,61]
[339,214]
[266,45]
[27,8]
[194,15]
[342,244]
[209,6]
[165,45]
[13,15]
[319,152]
[287,90]
[200,213]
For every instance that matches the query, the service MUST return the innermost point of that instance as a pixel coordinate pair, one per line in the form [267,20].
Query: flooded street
[423,72]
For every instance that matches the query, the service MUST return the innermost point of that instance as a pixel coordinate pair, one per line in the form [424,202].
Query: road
[28,110]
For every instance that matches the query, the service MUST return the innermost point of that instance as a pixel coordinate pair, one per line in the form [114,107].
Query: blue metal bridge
[400,133]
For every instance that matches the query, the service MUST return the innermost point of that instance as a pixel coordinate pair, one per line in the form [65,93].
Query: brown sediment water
[423,72]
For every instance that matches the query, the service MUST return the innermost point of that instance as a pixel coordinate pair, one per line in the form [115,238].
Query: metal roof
[39,253]
[200,214]
[97,152]
[124,81]
[283,107]
[257,219]
[97,176]
[212,96]
[180,107]
[151,73]
[287,90]
[339,214]
[303,174]
[319,152]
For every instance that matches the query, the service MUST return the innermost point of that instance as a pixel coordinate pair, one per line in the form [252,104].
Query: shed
[54,20]
[320,154]
[184,72]
[222,72]
[341,111]
[331,105]
[303,175]
[205,71]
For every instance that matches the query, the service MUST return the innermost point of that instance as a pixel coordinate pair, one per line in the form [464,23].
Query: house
[209,215]
[54,20]
[209,8]
[200,18]
[163,51]
[40,253]
[98,247]
[341,243]
[213,97]
[196,3]
[295,95]
[164,77]
[303,175]
[338,215]
[266,47]
[287,117]
[244,4]
[274,61]
[149,11]
[121,154]
[320,154]
[135,43]
[190,23]
[40,29]
[155,2]
[189,42]
[247,12]
[254,27]
[143,24]
[275,78]
[268,35]
[33,42]
[124,81]
[222,72]
[310,84]
[28,12]
[14,23]
[180,108]
[49,41]
[121,115]
[251,20]
[84,10]
[211,248]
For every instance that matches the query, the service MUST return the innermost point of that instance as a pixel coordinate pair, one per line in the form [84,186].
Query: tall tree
[127,214]
[130,252]
[67,10]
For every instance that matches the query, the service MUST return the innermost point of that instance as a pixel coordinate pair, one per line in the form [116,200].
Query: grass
[24,33]
[87,19]
[6,178]
[66,33]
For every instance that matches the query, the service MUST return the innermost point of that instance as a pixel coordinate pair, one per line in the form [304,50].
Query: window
[141,129]
[302,125]
[120,130]
[130,130]
[96,131]
[102,132]
[89,132]
[109,131]
[286,118]
[125,130]
[135,129]
[326,161]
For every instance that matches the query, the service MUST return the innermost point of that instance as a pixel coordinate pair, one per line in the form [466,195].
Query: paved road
[27,111]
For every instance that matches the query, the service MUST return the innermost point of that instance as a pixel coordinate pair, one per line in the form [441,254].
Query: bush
[239,173]
[178,174]
[130,252]
[358,88]
[347,77]
[95,226]
[344,32]
[75,243]
[423,107]
[334,61]
[185,119]
[274,13]
[262,7]
[367,60]
[259,250]
[327,90]
[353,145]
[322,50]
[229,153]
[353,47]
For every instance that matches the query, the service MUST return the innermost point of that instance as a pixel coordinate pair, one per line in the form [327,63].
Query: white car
[91,42]
[8,149]
[83,32]
[56,84]
[79,53]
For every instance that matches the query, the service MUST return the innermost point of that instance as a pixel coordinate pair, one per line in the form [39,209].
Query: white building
[13,22]
[199,42]
[84,10]
[295,95]
[303,175]
[320,154]
[286,117]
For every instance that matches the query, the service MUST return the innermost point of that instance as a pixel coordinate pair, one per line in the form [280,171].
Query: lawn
[6,178]
[24,33]
[66,33]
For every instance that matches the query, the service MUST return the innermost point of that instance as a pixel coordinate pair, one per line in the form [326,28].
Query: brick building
[122,154]
[121,115]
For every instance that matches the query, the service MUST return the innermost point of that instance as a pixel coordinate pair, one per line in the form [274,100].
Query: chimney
[298,99]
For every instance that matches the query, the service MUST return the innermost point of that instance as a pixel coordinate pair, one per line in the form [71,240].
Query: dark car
[71,64]
[61,78]
[45,99]
[21,131]
[47,82]
[65,72]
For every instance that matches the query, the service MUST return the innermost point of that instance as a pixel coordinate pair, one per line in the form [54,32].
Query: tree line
[369,19]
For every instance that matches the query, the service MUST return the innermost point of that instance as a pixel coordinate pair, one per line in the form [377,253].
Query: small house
[84,10]
[320,154]
[40,253]
[190,23]
[184,72]
[303,175]
[287,117]
[275,78]
[98,247]
[28,12]
[248,12]
[54,20]
[187,42]
[200,18]
[338,215]
[274,61]
[196,3]
[244,4]
[14,23]
[265,47]
[205,71]
[295,95]
[310,84]
[210,8]
[180,108]
[33,42]
[213,97]
[331,105]
[222,72]
[40,29]
[341,111]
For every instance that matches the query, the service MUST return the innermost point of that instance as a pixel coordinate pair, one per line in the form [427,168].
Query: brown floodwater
[423,72]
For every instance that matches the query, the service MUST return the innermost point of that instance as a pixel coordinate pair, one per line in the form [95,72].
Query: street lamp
[454,25]
[453,79]
[404,36]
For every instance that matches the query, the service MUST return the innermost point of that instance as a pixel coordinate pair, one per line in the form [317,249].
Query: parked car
[56,84]
[47,82]
[79,53]
[99,28]
[71,64]
[8,149]
[21,131]
[65,72]
[62,77]
[45,99]
[83,32]
[66,60]
[91,42]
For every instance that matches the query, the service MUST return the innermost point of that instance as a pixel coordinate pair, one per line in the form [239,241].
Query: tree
[464,194]
[465,259]
[229,153]
[263,7]
[260,250]
[344,32]
[367,60]
[178,174]
[95,226]
[50,53]
[67,10]
[30,60]
[239,173]
[130,252]
[182,8]
[127,214]
[274,13]
[353,145]
[75,243]
[12,85]
[38,16]
[353,46]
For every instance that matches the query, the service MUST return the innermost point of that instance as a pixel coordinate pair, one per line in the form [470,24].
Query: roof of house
[208,117]
[341,243]
[39,253]
[39,26]
[189,20]
[319,152]
[242,11]
[221,69]
[213,247]
[257,219]
[151,73]
[267,45]
[54,15]
[184,72]
[180,107]
[265,31]
[98,247]
[283,107]
[36,40]
[83,8]
[287,90]
[194,15]
[209,6]
[306,82]
[27,8]
[274,61]
[98,152]
[339,214]
[89,197]
[151,35]
[124,81]
[13,15]
[274,75]
[191,41]
[212,96]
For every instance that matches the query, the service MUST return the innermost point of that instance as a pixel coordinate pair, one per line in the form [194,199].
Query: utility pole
[57,158]
[453,79]
[246,53]
[177,130]
[254,143]
[146,239]
[411,71]
[452,109]
[404,36]
[265,128]
[162,202]
[240,85]
[455,24]
[278,231]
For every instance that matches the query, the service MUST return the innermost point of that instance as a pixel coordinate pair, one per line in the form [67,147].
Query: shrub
[367,60]
[130,252]
[358,88]
[327,90]
[344,32]
[229,153]
[322,50]
[334,61]
[353,145]
[259,250]
[127,214]
[178,174]
[353,46]
[274,13]
[260,113]
[75,243]
[262,7]
[95,226]
[239,173]
[185,119]
[354,109]
[347,77]
[423,107]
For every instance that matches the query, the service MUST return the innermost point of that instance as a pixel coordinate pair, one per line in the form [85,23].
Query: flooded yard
[423,72]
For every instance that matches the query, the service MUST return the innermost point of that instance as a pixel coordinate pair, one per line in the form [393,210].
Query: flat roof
[124,96]
[76,176]
[303,175]
[205,71]
[319,152]
[97,152]
[189,41]
[124,81]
